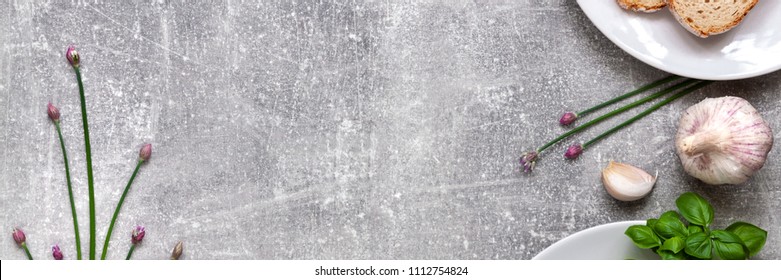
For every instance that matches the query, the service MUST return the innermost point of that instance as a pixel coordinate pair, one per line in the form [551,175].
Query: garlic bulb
[723,140]
[625,182]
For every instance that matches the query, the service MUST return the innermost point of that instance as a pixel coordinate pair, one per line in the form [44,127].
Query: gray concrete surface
[335,130]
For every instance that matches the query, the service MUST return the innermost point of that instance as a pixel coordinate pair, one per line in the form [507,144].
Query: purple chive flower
[54,113]
[573,151]
[146,152]
[568,118]
[137,235]
[56,253]
[528,160]
[19,237]
[73,56]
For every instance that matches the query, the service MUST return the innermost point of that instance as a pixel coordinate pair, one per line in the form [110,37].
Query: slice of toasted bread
[648,6]
[710,17]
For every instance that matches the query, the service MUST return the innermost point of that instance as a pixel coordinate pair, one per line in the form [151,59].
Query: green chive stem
[629,94]
[615,112]
[116,211]
[70,191]
[130,252]
[648,111]
[90,178]
[27,251]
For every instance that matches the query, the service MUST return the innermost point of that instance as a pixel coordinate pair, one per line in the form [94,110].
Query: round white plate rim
[673,33]
[563,244]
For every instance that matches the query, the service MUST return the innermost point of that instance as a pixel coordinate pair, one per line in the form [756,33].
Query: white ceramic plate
[750,49]
[605,242]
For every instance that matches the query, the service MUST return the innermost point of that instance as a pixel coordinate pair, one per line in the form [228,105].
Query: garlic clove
[625,182]
[723,140]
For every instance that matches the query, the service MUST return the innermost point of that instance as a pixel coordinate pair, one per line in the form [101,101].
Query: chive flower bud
[19,237]
[137,235]
[73,56]
[573,151]
[178,249]
[528,160]
[54,113]
[568,118]
[56,253]
[145,153]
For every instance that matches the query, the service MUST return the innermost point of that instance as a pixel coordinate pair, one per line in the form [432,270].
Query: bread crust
[675,9]
[639,6]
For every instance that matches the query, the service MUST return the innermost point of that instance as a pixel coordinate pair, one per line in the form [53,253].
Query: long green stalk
[130,252]
[90,178]
[615,112]
[116,211]
[629,94]
[27,251]
[648,111]
[70,191]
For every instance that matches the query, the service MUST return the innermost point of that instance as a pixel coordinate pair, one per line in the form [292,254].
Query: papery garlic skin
[723,140]
[625,182]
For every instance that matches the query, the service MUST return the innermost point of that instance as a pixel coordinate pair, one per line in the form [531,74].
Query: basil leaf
[752,236]
[643,236]
[725,236]
[669,225]
[667,255]
[694,229]
[650,222]
[695,209]
[728,245]
[699,245]
[675,245]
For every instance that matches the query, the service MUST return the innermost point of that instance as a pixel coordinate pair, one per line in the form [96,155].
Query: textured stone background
[319,130]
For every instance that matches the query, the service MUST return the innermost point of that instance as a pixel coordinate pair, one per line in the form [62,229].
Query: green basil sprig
[672,239]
